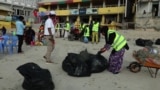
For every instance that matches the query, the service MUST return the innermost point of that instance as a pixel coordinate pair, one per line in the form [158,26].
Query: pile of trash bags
[157,42]
[146,42]
[35,78]
[150,54]
[143,42]
[84,64]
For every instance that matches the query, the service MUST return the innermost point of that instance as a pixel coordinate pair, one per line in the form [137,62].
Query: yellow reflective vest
[57,26]
[95,27]
[67,27]
[82,27]
[86,33]
[119,41]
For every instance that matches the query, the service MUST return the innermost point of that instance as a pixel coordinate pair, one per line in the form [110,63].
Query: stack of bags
[84,64]
[150,54]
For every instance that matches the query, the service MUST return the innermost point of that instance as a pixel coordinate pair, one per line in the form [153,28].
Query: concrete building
[11,8]
[87,10]
[148,14]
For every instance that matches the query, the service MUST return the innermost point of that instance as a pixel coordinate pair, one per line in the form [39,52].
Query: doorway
[155,9]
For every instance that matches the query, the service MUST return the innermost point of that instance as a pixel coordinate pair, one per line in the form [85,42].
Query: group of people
[85,32]
[90,32]
[23,32]
[112,38]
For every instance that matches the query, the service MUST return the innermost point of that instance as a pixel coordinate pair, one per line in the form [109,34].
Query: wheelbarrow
[136,66]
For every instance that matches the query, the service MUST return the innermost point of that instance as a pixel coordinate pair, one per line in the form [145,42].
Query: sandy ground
[10,78]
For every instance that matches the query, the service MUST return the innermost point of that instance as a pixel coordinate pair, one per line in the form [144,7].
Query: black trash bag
[71,37]
[148,42]
[35,78]
[84,55]
[75,67]
[69,62]
[144,42]
[97,63]
[81,70]
[157,42]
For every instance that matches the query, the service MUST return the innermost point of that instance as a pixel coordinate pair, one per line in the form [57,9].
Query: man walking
[49,32]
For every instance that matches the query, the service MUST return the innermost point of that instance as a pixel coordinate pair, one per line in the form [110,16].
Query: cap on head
[52,13]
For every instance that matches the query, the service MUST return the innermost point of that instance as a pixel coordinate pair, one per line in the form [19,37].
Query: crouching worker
[41,33]
[118,43]
[29,35]
[86,34]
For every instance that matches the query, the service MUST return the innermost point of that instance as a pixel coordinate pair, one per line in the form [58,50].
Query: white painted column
[91,6]
[149,7]
[67,18]
[159,9]
[125,14]
[79,5]
[119,3]
[90,19]
[136,7]
[104,4]
[103,19]
[118,17]
[78,18]
[57,7]
[67,6]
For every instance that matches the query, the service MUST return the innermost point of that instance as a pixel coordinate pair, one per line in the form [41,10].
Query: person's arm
[50,32]
[23,25]
[108,44]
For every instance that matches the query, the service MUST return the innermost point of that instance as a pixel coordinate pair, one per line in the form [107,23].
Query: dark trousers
[60,32]
[20,42]
[63,33]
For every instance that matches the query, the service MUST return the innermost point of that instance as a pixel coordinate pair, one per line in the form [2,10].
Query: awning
[4,8]
[52,2]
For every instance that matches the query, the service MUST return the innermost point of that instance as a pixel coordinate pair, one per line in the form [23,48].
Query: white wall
[22,3]
[144,6]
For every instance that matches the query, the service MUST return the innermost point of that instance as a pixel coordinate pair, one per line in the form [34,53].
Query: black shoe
[20,52]
[115,72]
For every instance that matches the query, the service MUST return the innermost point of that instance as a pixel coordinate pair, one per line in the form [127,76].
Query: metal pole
[125,14]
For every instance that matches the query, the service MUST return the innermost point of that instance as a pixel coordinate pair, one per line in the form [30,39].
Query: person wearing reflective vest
[86,34]
[83,25]
[95,30]
[118,43]
[57,30]
[67,29]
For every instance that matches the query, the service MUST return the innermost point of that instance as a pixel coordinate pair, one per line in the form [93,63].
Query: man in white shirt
[49,31]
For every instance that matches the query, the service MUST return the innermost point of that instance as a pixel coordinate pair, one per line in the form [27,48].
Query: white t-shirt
[49,24]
